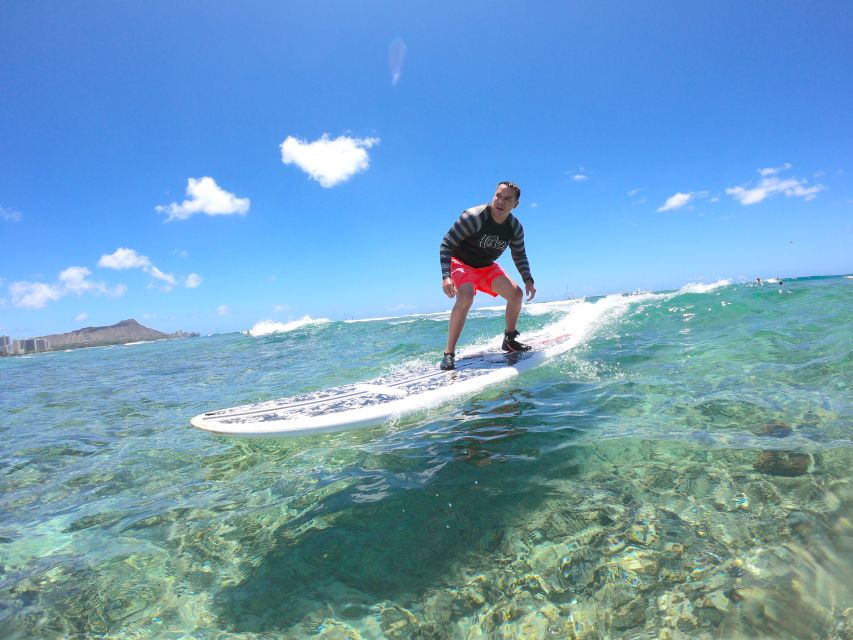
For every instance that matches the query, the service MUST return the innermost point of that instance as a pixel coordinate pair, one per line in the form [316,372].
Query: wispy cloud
[396,59]
[124,258]
[10,215]
[677,201]
[329,162]
[772,184]
[222,310]
[207,197]
[37,295]
[636,198]
[772,171]
[166,278]
[578,175]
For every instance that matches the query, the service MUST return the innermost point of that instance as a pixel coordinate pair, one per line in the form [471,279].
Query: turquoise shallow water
[683,472]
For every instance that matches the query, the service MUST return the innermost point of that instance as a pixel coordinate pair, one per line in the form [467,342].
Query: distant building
[5,345]
[33,345]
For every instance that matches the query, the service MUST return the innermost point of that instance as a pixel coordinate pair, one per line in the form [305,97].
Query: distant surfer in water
[468,253]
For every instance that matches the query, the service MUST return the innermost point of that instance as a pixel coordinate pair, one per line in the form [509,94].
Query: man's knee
[508,290]
[515,295]
[465,296]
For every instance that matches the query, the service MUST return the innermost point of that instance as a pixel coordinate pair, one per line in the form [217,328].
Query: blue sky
[209,165]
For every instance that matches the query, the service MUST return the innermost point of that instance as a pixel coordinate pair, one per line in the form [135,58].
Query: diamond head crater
[122,332]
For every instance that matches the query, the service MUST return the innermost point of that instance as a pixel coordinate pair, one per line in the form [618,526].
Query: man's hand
[530,290]
[448,288]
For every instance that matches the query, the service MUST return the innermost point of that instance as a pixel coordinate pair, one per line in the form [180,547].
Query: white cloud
[123,258]
[280,308]
[772,171]
[222,310]
[634,192]
[37,295]
[74,280]
[81,317]
[34,295]
[329,162]
[205,196]
[10,215]
[677,201]
[578,175]
[193,280]
[771,184]
[168,278]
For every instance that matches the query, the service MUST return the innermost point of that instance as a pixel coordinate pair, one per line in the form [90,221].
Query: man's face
[504,200]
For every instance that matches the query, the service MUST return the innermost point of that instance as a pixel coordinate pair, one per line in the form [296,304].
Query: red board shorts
[481,279]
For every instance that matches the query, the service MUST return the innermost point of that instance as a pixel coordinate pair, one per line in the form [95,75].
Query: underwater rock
[674,547]
[582,525]
[677,611]
[630,615]
[644,534]
[398,622]
[640,561]
[774,430]
[717,600]
[544,622]
[784,463]
[545,557]
[582,622]
[846,624]
[438,608]
[336,630]
[471,597]
[535,584]
[577,570]
[613,544]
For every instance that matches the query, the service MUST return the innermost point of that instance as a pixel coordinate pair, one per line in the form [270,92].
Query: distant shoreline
[124,332]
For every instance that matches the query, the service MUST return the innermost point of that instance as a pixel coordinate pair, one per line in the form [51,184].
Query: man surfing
[468,253]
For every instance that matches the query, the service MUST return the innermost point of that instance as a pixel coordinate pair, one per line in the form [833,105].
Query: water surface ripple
[684,472]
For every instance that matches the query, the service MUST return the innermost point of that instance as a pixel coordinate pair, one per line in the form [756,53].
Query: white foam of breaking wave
[268,327]
[700,287]
[582,319]
[533,308]
[554,306]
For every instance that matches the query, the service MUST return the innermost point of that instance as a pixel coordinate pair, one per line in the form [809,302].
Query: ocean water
[683,472]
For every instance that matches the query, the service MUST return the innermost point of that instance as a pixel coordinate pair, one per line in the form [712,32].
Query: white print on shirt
[492,242]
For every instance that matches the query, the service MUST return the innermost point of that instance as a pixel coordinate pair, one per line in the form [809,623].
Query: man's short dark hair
[512,186]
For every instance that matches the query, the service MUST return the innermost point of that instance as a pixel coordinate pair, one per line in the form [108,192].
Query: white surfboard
[371,403]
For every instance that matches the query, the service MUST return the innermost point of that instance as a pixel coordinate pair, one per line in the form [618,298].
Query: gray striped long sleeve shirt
[477,240]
